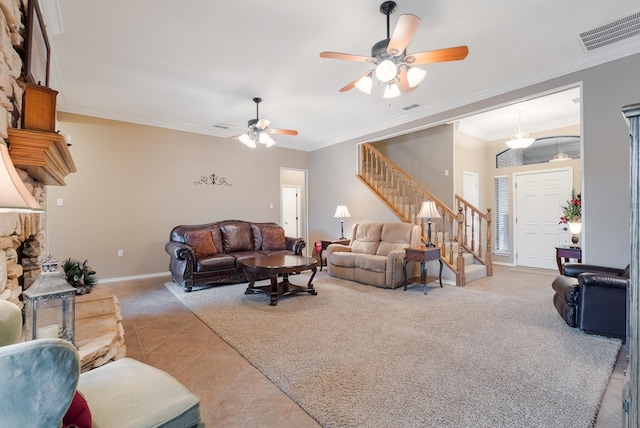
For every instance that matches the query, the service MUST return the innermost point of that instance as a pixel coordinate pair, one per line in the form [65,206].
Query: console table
[567,252]
[422,255]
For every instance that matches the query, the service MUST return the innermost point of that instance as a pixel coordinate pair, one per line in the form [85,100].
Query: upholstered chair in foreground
[40,379]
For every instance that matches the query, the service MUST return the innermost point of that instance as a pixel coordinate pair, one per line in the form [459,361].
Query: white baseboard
[134,277]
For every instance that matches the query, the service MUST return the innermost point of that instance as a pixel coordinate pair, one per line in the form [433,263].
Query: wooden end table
[567,252]
[326,243]
[273,266]
[422,255]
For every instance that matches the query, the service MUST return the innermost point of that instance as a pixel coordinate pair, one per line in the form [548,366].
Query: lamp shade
[386,71]
[365,83]
[14,196]
[342,212]
[520,142]
[246,139]
[266,139]
[575,227]
[391,91]
[415,75]
[429,210]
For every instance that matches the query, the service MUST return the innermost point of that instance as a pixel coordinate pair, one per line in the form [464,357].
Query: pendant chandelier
[521,139]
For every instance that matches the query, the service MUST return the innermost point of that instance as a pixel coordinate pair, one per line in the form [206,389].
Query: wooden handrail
[404,196]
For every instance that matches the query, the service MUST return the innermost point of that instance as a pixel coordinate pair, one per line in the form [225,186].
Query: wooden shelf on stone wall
[45,156]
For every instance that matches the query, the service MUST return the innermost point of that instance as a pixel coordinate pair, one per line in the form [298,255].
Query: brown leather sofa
[593,298]
[213,252]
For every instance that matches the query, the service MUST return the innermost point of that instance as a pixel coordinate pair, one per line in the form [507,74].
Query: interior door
[291,210]
[539,197]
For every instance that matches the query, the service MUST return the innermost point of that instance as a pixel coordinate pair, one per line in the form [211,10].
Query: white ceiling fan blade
[263,123]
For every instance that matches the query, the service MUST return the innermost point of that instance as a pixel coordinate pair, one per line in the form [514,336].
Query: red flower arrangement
[573,210]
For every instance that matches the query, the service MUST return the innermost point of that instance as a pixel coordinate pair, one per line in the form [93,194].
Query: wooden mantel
[43,155]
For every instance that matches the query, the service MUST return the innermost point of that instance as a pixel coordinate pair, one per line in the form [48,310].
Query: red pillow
[273,239]
[202,243]
[78,415]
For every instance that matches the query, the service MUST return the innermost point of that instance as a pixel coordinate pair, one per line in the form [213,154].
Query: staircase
[463,236]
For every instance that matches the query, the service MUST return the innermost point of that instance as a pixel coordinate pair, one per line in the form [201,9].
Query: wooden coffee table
[276,265]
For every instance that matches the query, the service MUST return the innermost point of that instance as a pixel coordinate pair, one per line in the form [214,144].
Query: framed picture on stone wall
[37,44]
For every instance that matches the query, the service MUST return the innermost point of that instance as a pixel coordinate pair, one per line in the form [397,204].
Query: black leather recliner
[593,298]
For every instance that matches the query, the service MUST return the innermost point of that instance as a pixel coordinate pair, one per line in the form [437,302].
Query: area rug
[359,356]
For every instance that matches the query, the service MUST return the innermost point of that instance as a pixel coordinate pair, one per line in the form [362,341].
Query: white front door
[539,197]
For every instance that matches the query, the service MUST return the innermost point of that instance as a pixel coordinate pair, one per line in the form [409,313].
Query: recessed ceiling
[192,65]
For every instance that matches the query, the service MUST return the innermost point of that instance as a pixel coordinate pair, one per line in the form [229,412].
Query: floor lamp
[341,212]
[429,211]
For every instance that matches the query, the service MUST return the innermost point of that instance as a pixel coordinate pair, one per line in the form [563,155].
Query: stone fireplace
[22,236]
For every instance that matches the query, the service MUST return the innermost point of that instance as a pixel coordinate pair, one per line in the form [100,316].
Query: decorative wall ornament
[213,180]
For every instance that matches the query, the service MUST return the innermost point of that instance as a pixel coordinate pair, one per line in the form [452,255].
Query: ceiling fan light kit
[394,67]
[259,130]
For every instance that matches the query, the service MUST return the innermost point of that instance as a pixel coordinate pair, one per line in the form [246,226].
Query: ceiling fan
[394,67]
[259,131]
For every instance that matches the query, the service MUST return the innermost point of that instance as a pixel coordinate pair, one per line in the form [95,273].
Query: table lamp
[429,211]
[341,212]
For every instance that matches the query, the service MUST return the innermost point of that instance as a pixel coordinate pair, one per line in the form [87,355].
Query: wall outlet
[120,253]
[60,202]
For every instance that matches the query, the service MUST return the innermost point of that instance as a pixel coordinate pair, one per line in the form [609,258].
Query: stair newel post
[460,277]
[489,257]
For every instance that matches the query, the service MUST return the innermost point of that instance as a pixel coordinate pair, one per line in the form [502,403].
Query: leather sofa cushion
[367,239]
[371,263]
[236,237]
[202,243]
[219,261]
[273,239]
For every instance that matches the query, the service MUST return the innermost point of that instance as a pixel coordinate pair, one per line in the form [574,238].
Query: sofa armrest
[180,251]
[395,268]
[296,245]
[567,288]
[575,269]
[604,281]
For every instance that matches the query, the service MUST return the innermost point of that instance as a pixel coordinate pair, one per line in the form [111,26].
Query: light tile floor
[161,331]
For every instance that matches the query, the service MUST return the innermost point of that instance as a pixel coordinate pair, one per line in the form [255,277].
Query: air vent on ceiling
[221,126]
[611,32]
[412,106]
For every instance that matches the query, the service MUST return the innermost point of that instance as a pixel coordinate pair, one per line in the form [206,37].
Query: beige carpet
[360,356]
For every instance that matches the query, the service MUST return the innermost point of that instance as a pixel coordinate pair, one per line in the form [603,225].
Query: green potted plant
[79,274]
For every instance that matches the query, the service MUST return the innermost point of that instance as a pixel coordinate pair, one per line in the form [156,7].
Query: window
[502,213]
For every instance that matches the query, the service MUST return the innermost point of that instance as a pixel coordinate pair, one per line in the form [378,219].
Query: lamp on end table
[341,212]
[429,211]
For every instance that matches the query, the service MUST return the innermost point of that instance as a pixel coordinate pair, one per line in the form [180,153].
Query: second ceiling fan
[394,67]
[259,130]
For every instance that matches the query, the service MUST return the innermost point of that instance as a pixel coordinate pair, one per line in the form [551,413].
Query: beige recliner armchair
[375,254]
